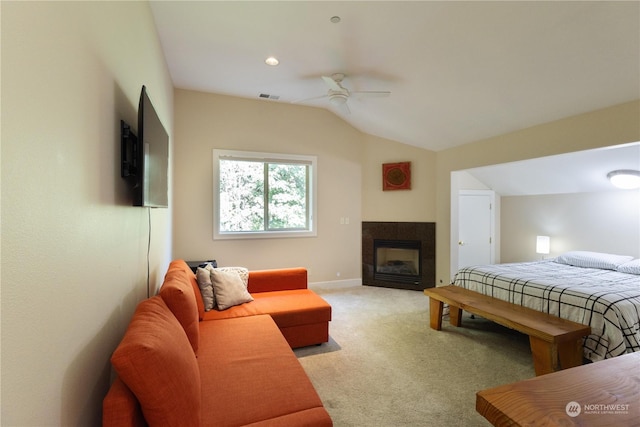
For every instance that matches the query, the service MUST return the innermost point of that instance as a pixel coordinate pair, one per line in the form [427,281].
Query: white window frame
[311,231]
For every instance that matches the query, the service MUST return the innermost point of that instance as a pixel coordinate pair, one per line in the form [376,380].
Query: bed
[595,289]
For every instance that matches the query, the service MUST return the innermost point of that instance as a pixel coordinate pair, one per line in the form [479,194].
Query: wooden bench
[555,343]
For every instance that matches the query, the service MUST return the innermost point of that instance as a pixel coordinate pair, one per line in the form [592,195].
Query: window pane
[263,195]
[287,196]
[241,195]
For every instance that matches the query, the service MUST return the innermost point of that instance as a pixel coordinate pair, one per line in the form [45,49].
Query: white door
[475,228]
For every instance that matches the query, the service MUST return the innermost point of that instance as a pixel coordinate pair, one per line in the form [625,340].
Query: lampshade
[542,244]
[626,179]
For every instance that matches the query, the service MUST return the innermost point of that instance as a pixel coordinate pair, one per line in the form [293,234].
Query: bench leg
[455,315]
[435,314]
[545,356]
[570,354]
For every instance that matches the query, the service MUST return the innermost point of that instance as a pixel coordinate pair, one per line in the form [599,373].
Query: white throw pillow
[593,259]
[631,267]
[203,276]
[228,289]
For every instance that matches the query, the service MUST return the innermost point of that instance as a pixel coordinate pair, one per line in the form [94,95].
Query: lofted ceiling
[457,71]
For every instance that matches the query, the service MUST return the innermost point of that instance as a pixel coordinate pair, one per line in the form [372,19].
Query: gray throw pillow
[203,276]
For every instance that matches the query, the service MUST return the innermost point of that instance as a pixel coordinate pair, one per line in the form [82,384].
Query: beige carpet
[384,366]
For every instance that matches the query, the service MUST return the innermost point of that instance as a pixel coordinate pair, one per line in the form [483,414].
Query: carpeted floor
[384,366]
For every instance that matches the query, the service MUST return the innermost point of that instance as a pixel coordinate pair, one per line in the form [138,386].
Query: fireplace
[398,254]
[397,260]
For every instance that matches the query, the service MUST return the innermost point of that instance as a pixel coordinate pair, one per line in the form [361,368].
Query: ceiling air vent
[267,96]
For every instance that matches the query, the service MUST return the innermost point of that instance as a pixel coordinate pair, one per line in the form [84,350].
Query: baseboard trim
[333,284]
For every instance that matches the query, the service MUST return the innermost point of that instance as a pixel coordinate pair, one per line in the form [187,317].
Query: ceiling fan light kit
[338,95]
[338,98]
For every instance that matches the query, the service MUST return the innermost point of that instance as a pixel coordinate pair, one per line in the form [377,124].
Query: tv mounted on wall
[145,158]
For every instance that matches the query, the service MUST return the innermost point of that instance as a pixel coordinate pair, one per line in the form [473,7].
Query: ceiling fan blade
[297,101]
[371,93]
[344,108]
[333,85]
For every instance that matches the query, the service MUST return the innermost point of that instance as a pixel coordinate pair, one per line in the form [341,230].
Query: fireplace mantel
[425,232]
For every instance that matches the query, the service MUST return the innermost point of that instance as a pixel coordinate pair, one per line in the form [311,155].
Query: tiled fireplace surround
[403,232]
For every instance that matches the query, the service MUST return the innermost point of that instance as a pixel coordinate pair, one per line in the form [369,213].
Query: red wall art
[396,176]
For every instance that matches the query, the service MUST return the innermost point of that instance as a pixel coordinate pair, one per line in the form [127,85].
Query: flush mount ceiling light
[626,179]
[272,60]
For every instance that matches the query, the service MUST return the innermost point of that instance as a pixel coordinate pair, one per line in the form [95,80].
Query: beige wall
[349,186]
[74,252]
[600,222]
[208,121]
[611,126]
[417,204]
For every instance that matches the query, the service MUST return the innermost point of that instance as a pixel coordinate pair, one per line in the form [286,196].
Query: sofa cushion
[229,289]
[294,307]
[256,378]
[279,279]
[121,408]
[288,308]
[314,417]
[156,361]
[242,310]
[181,265]
[177,293]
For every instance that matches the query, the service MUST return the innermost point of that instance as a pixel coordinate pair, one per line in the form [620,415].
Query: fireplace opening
[397,261]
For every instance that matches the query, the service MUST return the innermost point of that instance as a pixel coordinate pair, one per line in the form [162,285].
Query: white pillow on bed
[631,267]
[593,259]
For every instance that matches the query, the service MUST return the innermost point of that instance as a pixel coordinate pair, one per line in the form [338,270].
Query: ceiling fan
[338,94]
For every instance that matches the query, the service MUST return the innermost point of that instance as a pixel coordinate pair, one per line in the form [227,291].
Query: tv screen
[145,159]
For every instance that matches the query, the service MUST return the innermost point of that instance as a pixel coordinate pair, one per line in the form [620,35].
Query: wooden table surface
[605,393]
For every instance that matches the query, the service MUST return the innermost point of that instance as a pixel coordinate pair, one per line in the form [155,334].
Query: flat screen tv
[145,158]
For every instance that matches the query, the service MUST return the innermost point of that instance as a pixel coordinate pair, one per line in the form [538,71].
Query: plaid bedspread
[606,300]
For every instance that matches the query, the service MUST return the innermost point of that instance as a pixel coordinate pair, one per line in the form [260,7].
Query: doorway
[475,227]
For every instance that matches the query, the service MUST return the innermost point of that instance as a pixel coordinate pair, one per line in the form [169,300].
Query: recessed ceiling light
[272,60]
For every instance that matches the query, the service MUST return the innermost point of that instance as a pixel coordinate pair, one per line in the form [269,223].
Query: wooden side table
[605,393]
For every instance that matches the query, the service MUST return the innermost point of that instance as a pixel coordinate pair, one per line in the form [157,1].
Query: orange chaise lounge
[178,365]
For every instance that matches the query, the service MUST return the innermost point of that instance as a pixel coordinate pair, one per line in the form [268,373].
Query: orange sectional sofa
[179,365]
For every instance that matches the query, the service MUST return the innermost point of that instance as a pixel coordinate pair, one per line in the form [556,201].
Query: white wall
[74,252]
[600,222]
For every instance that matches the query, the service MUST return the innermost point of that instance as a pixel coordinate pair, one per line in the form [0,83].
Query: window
[263,195]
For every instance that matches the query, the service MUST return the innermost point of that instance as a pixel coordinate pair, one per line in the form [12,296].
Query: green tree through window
[287,192]
[263,193]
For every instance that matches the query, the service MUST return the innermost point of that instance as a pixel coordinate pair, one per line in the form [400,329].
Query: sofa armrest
[120,408]
[279,279]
